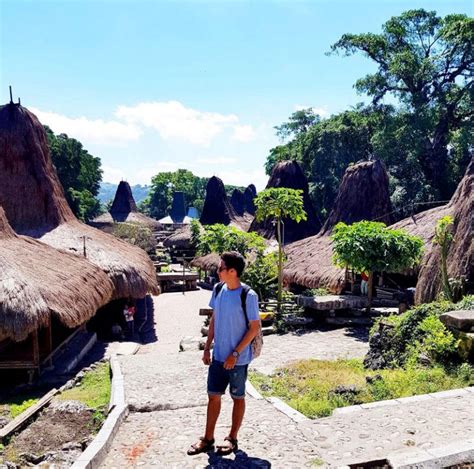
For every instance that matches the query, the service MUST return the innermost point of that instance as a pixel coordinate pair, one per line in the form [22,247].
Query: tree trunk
[280,265]
[369,291]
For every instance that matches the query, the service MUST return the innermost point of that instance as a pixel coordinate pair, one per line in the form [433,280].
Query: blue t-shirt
[230,324]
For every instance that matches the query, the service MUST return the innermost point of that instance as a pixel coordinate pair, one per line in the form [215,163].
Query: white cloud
[87,130]
[243,133]
[216,161]
[173,120]
[322,111]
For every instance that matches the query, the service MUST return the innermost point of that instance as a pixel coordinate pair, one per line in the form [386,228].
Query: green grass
[15,405]
[94,390]
[308,385]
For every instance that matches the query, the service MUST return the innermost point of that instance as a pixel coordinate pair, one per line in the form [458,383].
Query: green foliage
[313,386]
[372,247]
[262,275]
[94,390]
[220,238]
[443,238]
[135,234]
[424,61]
[80,174]
[299,123]
[315,292]
[417,332]
[280,202]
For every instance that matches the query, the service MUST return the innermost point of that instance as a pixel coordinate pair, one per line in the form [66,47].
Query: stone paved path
[165,390]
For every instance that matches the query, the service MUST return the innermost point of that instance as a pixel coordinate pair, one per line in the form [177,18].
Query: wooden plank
[16,364]
[27,414]
[205,312]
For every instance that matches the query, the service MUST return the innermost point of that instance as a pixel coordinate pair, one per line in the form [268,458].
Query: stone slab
[461,320]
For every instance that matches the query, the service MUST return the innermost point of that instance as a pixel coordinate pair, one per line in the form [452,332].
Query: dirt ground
[59,434]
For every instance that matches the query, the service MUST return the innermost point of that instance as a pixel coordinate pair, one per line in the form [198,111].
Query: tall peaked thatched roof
[249,194]
[238,201]
[363,195]
[217,208]
[124,210]
[37,281]
[34,203]
[309,261]
[460,262]
[289,174]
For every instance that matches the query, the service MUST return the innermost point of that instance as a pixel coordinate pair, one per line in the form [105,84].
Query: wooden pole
[36,355]
[369,291]
[11,95]
[49,341]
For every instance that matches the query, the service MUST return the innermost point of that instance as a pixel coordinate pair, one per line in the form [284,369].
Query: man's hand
[230,362]
[206,357]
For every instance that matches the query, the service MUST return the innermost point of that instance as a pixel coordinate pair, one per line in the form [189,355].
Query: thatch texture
[37,281]
[460,257]
[309,261]
[289,174]
[124,210]
[217,208]
[238,201]
[363,195]
[249,194]
[208,262]
[180,239]
[34,203]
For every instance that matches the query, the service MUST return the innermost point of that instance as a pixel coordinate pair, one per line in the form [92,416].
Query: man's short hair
[234,260]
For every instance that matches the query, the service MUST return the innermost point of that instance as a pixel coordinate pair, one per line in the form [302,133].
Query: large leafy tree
[80,174]
[372,247]
[426,62]
[278,203]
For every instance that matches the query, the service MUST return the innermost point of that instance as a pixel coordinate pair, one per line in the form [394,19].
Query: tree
[79,172]
[371,247]
[299,123]
[278,203]
[427,62]
[443,238]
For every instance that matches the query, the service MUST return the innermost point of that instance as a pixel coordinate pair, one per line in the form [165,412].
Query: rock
[460,320]
[424,359]
[31,458]
[373,379]
[4,421]
[349,389]
[72,445]
[190,343]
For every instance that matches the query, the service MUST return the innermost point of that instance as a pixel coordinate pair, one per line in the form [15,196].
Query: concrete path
[166,393]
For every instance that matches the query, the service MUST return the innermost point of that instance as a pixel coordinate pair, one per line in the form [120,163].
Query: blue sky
[153,86]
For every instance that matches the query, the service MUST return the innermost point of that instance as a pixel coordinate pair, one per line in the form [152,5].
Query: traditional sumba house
[460,263]
[289,174]
[177,217]
[42,290]
[363,195]
[217,208]
[34,203]
[249,194]
[237,201]
[124,210]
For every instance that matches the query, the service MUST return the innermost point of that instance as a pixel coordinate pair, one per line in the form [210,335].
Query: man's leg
[213,411]
[238,412]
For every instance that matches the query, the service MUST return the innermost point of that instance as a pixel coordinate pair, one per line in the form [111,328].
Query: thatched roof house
[177,215]
[249,194]
[208,262]
[460,262]
[237,201]
[124,210]
[180,239]
[34,203]
[289,174]
[217,208]
[37,282]
[363,195]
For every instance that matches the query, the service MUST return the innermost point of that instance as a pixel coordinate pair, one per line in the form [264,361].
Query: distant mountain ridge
[107,192]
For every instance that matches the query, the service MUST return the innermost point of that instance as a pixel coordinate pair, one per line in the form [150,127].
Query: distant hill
[107,192]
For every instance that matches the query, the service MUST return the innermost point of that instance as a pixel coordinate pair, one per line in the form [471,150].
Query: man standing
[232,336]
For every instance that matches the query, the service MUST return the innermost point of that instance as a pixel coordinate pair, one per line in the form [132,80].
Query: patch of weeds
[316,387]
[317,462]
[94,390]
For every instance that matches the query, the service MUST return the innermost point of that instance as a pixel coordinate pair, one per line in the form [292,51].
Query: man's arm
[246,340]
[206,357]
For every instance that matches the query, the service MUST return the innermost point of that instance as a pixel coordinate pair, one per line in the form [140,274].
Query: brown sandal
[202,446]
[224,450]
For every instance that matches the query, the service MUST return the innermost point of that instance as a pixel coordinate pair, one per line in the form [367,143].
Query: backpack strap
[218,288]
[243,299]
